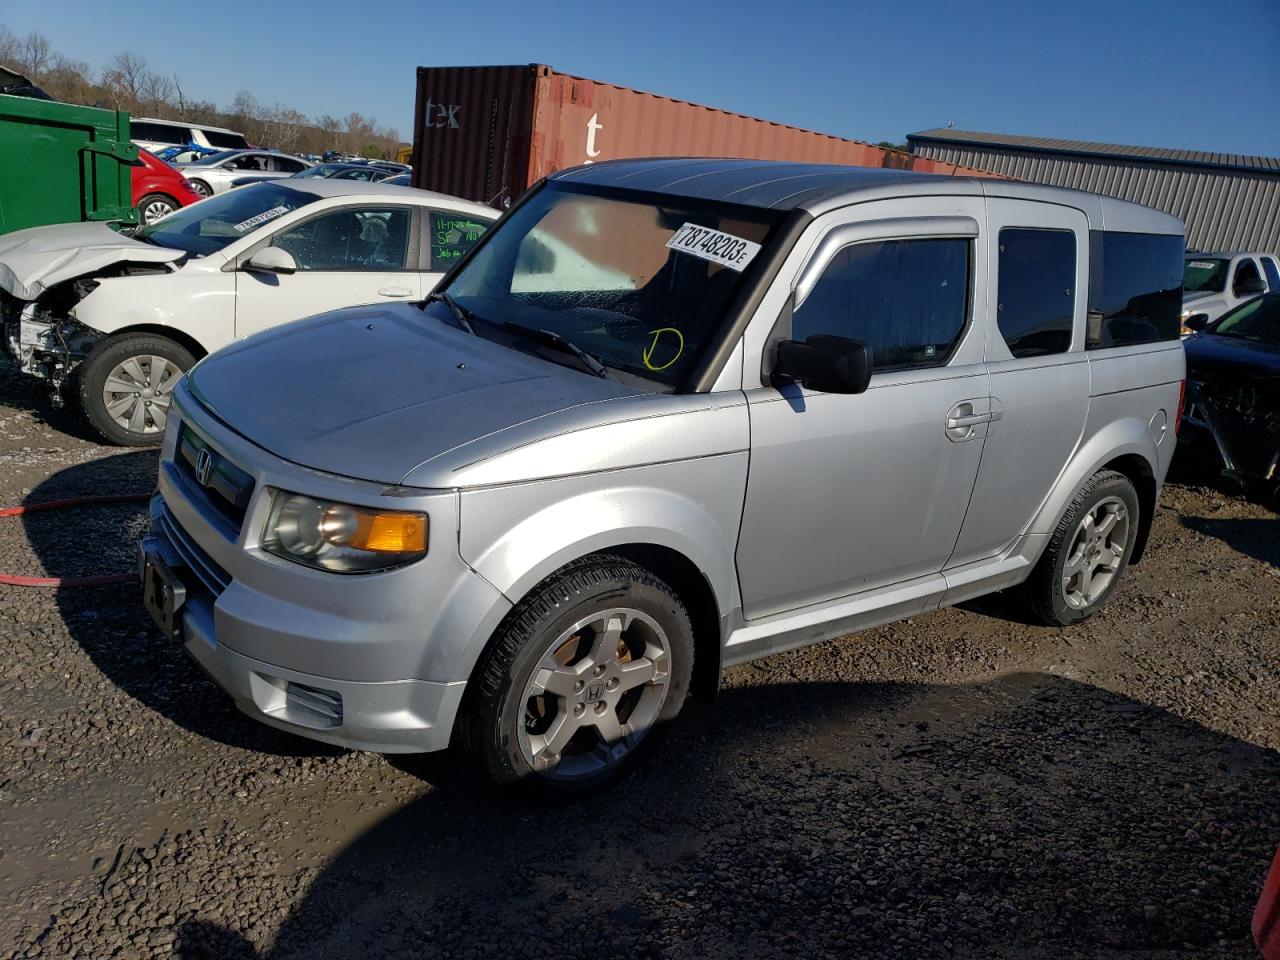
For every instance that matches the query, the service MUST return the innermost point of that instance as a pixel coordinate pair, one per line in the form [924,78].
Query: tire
[202,188]
[154,206]
[142,367]
[1082,565]
[563,621]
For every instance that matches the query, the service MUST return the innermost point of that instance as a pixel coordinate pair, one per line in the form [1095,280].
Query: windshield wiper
[460,313]
[551,338]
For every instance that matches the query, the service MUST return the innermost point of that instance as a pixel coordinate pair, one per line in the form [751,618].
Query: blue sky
[1200,75]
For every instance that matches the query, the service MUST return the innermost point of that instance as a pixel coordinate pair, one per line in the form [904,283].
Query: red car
[158,189]
[1266,918]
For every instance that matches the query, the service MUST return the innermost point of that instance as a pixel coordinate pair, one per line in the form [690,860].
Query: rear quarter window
[452,236]
[1036,298]
[159,133]
[225,141]
[1135,289]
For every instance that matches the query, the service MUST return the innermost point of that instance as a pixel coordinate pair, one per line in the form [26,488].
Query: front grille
[214,578]
[1243,403]
[224,486]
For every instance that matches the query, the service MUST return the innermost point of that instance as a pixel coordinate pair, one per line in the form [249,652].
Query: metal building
[1228,201]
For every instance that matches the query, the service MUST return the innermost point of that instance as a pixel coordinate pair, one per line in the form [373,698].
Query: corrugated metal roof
[1108,150]
[1223,208]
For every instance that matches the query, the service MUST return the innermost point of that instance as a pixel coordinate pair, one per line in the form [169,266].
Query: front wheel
[126,385]
[580,679]
[154,206]
[202,188]
[1087,553]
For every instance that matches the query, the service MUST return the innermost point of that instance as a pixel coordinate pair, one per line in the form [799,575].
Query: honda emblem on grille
[204,467]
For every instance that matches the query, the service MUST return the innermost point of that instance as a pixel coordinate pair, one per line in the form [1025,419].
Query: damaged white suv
[111,321]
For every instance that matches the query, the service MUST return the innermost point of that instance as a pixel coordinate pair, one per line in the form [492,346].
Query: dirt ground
[959,785]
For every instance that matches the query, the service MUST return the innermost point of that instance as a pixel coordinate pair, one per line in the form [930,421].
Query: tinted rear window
[158,132]
[228,141]
[1037,276]
[1135,288]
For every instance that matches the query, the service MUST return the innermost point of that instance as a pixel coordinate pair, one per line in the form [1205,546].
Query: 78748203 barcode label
[723,248]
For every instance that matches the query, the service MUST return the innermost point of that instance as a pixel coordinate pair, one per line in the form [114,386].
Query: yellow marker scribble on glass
[647,356]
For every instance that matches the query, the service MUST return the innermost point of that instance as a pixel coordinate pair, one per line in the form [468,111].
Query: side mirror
[1249,286]
[824,362]
[1196,322]
[272,260]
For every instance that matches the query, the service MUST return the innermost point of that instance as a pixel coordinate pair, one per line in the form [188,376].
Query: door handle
[394,292]
[961,421]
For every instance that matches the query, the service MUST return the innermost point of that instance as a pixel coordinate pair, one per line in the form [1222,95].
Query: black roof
[774,184]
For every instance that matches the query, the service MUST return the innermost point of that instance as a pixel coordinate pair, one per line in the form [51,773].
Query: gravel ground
[959,785]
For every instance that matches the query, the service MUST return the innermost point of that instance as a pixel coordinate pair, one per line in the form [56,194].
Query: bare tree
[34,54]
[157,94]
[124,79]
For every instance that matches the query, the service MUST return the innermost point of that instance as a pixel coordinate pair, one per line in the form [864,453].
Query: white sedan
[215,173]
[112,321]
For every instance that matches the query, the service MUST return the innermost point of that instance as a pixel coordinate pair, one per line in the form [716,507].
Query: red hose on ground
[97,580]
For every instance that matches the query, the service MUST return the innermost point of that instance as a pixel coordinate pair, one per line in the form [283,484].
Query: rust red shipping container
[488,133]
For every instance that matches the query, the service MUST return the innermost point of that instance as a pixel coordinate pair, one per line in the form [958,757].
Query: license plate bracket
[163,594]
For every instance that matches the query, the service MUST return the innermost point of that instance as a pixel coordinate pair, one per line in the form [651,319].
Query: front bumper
[397,716]
[374,662]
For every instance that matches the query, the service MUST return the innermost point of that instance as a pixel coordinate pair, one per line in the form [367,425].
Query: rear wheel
[202,188]
[580,680]
[126,385]
[1088,552]
[154,206]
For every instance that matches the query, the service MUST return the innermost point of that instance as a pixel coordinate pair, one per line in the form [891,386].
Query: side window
[1135,288]
[1036,298]
[1273,274]
[287,164]
[363,240]
[1247,280]
[906,299]
[452,235]
[157,132]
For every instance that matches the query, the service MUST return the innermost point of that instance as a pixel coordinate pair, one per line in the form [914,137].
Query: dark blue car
[1233,395]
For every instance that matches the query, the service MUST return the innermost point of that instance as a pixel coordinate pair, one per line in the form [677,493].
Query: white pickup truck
[1213,283]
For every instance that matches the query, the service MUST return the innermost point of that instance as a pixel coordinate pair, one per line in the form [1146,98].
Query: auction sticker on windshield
[263,217]
[722,248]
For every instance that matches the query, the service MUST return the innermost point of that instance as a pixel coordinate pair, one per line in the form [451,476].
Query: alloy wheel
[596,691]
[155,210]
[1097,550]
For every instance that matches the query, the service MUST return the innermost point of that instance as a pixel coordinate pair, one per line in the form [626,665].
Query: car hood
[1206,351]
[33,260]
[372,393]
[1202,298]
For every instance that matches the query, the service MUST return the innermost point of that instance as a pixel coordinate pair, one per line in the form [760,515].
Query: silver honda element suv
[667,416]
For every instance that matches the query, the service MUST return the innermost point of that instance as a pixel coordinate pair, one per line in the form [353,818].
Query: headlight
[340,537]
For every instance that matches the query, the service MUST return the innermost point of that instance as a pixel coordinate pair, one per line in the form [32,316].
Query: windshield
[216,157]
[641,285]
[1257,320]
[212,224]
[1204,275]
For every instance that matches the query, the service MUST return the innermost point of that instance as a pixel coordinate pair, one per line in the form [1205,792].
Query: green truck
[60,162]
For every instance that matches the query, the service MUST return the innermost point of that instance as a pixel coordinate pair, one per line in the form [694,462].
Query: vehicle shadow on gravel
[1030,816]
[1254,537]
[110,624]
[26,393]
